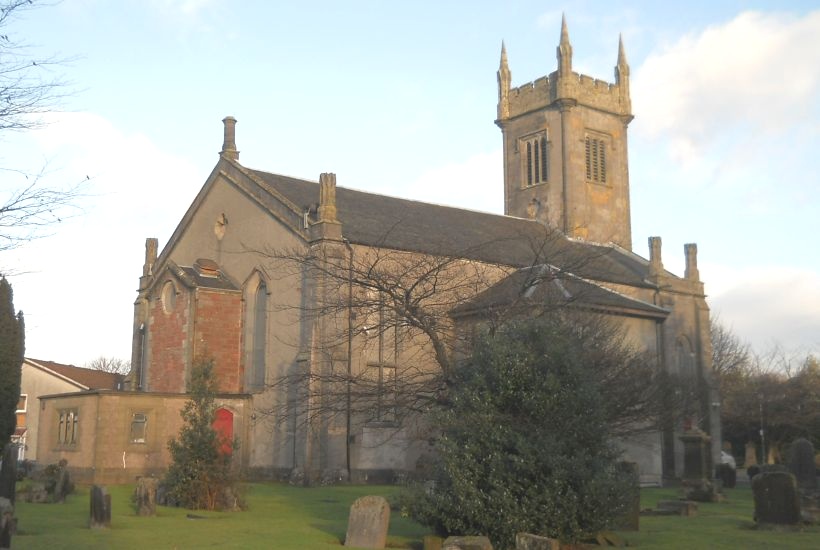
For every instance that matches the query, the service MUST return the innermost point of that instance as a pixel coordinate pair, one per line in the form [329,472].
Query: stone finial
[691,252]
[564,50]
[151,245]
[622,68]
[229,143]
[327,197]
[504,80]
[655,263]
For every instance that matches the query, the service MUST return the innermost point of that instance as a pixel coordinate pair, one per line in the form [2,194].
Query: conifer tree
[200,471]
[12,347]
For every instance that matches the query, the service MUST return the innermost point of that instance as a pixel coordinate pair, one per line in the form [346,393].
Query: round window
[169,297]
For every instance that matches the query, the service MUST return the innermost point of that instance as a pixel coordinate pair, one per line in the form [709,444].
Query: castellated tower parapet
[565,148]
[583,89]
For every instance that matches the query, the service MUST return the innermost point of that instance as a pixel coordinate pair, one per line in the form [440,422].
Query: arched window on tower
[536,162]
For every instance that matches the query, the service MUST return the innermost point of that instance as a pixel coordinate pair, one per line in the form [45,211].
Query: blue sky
[399,98]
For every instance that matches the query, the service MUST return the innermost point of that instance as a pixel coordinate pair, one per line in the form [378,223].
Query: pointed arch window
[536,159]
[259,335]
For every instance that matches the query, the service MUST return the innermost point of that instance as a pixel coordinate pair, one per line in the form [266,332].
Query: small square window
[139,423]
[21,403]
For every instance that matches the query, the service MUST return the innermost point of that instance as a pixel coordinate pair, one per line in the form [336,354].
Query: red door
[223,424]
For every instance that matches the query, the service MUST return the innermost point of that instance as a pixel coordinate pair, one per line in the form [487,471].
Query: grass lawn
[284,517]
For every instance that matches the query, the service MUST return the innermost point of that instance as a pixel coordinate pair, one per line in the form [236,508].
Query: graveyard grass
[285,517]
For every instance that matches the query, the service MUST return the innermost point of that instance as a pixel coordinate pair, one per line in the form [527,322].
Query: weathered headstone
[7,522]
[145,496]
[527,541]
[727,476]
[801,464]
[100,507]
[697,467]
[37,493]
[467,543]
[367,523]
[751,455]
[432,542]
[696,455]
[63,486]
[776,498]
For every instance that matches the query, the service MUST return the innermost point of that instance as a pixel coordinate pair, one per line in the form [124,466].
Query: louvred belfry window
[595,159]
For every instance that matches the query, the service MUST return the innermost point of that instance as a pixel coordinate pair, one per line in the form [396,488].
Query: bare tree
[28,90]
[396,324]
[113,365]
[731,357]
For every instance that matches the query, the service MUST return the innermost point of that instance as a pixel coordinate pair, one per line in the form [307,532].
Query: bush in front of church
[200,475]
[524,441]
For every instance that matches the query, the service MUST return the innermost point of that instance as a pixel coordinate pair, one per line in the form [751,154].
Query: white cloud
[79,284]
[756,75]
[476,183]
[765,304]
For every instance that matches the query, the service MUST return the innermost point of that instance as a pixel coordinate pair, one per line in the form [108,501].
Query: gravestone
[37,493]
[751,455]
[432,542]
[367,523]
[467,543]
[7,522]
[801,464]
[100,507]
[63,486]
[145,496]
[776,498]
[526,541]
[727,475]
[697,467]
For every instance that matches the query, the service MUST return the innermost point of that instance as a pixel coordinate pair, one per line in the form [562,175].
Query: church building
[232,285]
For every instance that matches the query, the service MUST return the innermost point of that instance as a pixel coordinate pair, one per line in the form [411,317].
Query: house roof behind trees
[85,379]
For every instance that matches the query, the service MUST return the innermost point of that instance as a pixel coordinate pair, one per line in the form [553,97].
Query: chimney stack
[229,143]
[691,252]
[655,263]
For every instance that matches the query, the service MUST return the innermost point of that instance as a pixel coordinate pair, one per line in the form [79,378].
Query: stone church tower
[565,149]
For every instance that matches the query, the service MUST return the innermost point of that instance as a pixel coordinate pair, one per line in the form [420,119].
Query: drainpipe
[349,350]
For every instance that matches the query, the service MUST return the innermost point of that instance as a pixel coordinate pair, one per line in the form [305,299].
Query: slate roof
[193,278]
[545,285]
[379,220]
[84,378]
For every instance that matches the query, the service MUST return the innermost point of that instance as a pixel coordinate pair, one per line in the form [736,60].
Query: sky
[399,98]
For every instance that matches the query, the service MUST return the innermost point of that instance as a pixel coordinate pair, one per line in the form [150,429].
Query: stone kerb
[467,543]
[368,522]
[527,541]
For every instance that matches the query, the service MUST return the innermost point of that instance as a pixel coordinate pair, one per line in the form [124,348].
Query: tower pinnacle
[564,50]
[504,78]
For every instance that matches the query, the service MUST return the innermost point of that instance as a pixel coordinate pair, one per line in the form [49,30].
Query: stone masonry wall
[218,334]
[168,338]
